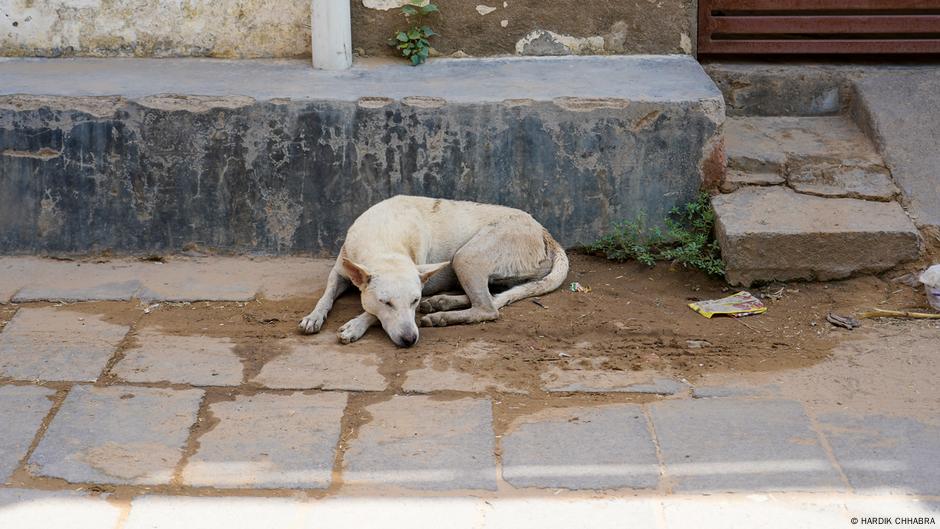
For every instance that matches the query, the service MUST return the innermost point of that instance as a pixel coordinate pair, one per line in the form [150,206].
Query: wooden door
[764,27]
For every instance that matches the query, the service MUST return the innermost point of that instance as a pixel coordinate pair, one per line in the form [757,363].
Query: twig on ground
[880,313]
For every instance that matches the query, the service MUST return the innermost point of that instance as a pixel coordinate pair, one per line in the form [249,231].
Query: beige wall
[280,28]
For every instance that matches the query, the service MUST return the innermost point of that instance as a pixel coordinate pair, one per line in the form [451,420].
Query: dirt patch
[634,318]
[6,314]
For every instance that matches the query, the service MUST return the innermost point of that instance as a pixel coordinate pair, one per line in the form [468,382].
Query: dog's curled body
[407,248]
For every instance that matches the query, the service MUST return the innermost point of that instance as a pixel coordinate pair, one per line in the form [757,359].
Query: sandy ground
[634,318]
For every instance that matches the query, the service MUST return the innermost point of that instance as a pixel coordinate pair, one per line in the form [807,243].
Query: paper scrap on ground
[740,304]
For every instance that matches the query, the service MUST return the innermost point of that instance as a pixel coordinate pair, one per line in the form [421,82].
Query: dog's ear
[428,270]
[356,273]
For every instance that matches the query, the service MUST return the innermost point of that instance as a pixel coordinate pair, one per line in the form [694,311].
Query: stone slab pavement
[420,443]
[117,434]
[48,344]
[607,447]
[180,433]
[22,409]
[900,109]
[26,279]
[194,360]
[269,441]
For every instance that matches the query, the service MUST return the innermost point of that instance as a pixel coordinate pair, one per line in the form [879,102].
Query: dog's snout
[407,340]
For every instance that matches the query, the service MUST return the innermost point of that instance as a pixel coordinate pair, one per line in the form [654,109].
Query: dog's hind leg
[515,248]
[335,286]
[353,329]
[481,258]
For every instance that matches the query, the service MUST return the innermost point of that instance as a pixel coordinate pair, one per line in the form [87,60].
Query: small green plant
[688,239]
[414,44]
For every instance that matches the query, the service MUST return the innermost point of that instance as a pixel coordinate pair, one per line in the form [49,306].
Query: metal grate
[747,27]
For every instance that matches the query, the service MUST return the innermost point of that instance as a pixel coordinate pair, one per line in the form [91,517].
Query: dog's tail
[551,281]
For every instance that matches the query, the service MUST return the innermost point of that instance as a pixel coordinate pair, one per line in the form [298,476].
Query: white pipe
[331,34]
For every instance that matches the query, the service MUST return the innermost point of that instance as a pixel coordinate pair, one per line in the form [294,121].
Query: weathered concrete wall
[273,172]
[537,27]
[261,28]
[234,174]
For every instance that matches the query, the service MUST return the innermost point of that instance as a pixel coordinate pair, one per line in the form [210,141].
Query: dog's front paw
[434,320]
[312,323]
[351,331]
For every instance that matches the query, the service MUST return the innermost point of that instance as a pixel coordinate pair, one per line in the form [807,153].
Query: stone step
[825,156]
[775,233]
[271,156]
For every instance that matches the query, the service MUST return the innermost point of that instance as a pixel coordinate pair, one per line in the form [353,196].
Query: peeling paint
[685,42]
[385,5]
[583,104]
[42,154]
[374,102]
[424,102]
[96,106]
[543,42]
[49,218]
[159,28]
[190,103]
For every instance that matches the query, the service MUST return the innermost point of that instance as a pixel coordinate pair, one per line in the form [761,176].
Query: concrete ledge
[774,233]
[274,157]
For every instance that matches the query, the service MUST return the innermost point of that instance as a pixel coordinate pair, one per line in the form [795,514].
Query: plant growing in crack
[414,43]
[688,240]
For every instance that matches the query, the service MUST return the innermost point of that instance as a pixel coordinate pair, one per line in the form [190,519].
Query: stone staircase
[808,197]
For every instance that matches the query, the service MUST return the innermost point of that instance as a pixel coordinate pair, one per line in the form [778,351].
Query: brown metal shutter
[747,27]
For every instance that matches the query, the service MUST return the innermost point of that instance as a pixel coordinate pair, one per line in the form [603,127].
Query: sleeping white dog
[403,252]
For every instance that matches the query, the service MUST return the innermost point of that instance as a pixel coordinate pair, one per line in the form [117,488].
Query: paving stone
[429,379]
[182,512]
[117,434]
[865,182]
[558,380]
[752,511]
[195,360]
[901,111]
[269,441]
[13,275]
[50,344]
[319,364]
[735,179]
[22,409]
[774,233]
[39,509]
[194,289]
[782,142]
[708,392]
[886,454]
[420,443]
[606,447]
[200,279]
[741,445]
[113,291]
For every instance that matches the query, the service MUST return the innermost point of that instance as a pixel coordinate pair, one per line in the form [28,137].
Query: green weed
[688,239]
[414,43]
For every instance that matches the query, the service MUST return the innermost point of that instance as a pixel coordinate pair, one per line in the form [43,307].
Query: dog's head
[392,294]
